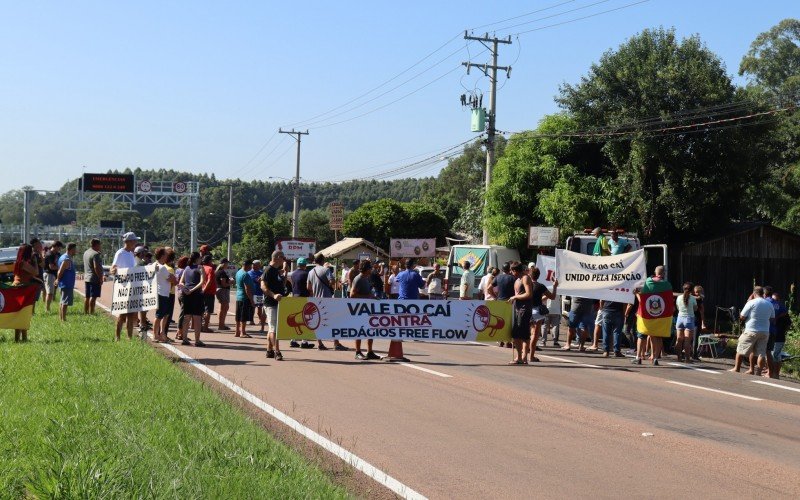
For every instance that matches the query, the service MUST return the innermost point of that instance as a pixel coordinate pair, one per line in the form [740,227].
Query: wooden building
[729,263]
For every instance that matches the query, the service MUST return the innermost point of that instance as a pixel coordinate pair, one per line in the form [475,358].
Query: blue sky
[203,86]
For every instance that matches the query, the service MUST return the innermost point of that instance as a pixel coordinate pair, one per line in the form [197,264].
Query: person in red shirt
[209,291]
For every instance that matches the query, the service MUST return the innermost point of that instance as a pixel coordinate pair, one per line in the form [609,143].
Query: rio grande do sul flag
[16,307]
[656,306]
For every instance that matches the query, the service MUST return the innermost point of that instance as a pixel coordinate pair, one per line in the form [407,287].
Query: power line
[255,155]
[398,75]
[582,18]
[522,15]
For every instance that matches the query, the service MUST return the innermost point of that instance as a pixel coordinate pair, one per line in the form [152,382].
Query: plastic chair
[712,340]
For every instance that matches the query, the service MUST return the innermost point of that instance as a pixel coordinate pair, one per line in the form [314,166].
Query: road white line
[432,372]
[751,398]
[763,382]
[565,360]
[704,370]
[356,462]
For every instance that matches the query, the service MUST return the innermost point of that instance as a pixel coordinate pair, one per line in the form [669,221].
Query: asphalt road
[459,422]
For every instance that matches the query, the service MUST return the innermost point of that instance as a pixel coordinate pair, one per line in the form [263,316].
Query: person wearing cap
[256,274]
[601,245]
[223,293]
[245,289]
[124,259]
[209,292]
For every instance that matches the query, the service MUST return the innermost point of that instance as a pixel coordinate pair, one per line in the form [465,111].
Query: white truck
[583,242]
[480,257]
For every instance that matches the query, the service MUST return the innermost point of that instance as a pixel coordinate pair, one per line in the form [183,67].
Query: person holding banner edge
[124,259]
[361,288]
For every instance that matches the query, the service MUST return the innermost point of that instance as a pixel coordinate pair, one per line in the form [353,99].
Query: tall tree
[381,220]
[677,184]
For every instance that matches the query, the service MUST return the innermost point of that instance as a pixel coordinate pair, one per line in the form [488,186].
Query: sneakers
[322,347]
[199,343]
[270,353]
[618,354]
[294,343]
[360,356]
[655,362]
[372,355]
[278,356]
[636,361]
[556,344]
[185,342]
[306,345]
[340,347]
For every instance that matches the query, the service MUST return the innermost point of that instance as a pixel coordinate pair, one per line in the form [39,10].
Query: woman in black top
[699,318]
[539,312]
[192,281]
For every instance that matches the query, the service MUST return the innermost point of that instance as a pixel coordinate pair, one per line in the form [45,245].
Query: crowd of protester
[190,286]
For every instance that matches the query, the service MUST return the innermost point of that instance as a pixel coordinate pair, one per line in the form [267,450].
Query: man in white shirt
[124,259]
[758,314]
[467,281]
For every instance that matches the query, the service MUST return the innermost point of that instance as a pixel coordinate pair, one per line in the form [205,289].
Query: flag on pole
[656,306]
[16,306]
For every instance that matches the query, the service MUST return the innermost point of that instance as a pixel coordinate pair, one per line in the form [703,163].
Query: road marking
[432,372]
[704,370]
[565,360]
[751,398]
[356,462]
[775,385]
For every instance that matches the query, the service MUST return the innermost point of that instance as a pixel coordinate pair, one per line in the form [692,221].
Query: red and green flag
[656,306]
[16,307]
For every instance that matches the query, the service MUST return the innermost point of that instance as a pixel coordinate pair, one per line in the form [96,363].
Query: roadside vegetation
[84,417]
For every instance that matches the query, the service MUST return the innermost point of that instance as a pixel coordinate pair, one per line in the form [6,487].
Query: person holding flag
[18,301]
[654,316]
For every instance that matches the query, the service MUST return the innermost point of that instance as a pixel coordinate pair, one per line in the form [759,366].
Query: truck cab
[480,257]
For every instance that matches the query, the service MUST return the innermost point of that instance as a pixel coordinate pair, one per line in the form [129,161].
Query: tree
[381,220]
[258,239]
[455,187]
[680,184]
[533,179]
[316,224]
[772,66]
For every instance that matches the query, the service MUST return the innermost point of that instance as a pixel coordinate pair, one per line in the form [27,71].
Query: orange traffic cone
[396,352]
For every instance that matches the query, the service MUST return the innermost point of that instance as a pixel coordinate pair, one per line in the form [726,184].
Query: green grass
[84,417]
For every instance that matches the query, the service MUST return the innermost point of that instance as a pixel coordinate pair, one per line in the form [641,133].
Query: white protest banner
[547,270]
[542,236]
[295,248]
[413,248]
[134,290]
[433,320]
[605,278]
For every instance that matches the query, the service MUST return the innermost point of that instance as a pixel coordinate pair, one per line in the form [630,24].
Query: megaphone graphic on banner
[483,319]
[309,317]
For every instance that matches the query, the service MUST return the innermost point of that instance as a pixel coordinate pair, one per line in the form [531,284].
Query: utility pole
[174,231]
[230,220]
[296,206]
[26,216]
[490,70]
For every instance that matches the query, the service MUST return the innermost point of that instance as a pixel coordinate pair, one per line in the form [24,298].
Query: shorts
[163,310]
[777,350]
[243,311]
[753,342]
[771,342]
[272,319]
[193,304]
[536,317]
[224,295]
[258,300]
[521,326]
[208,304]
[66,296]
[49,283]
[585,321]
[92,290]
[685,323]
[599,318]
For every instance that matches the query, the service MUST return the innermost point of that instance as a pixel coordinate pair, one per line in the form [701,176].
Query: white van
[481,257]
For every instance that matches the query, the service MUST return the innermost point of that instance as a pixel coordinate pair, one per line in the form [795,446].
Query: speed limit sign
[179,187]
